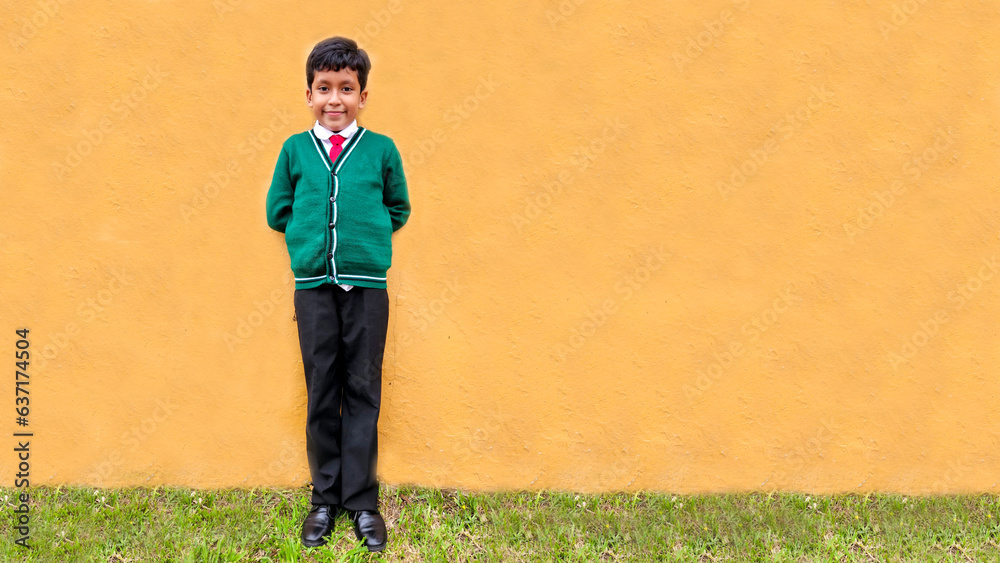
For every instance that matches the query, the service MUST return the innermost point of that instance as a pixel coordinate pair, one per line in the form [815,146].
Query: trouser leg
[317,316]
[364,321]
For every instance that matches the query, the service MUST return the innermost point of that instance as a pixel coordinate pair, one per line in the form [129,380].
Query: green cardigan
[338,217]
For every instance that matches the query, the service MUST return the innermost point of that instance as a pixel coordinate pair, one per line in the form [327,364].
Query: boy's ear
[309,97]
[363,97]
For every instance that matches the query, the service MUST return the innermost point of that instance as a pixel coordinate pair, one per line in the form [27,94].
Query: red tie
[338,145]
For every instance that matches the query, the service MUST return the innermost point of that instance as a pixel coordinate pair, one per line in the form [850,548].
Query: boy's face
[335,97]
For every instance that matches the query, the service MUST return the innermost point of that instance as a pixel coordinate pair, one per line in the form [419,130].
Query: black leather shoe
[318,525]
[370,527]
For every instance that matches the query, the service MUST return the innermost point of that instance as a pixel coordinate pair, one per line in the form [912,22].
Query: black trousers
[342,336]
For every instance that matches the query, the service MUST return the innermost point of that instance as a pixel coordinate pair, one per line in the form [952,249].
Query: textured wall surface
[697,246]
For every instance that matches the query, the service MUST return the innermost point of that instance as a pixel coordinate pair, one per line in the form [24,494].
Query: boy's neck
[345,132]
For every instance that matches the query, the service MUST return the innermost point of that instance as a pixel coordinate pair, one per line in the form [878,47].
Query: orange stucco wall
[678,246]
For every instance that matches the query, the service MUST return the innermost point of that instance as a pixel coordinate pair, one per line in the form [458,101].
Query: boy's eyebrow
[344,81]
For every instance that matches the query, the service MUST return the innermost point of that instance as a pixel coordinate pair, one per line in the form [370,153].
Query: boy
[338,193]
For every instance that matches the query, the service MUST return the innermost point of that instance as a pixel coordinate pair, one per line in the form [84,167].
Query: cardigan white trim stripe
[359,134]
[319,149]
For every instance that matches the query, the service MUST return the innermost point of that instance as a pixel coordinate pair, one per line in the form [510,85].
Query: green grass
[166,524]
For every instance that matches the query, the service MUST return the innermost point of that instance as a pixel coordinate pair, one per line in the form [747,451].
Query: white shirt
[324,135]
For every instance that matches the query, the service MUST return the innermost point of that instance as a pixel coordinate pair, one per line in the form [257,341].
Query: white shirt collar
[324,134]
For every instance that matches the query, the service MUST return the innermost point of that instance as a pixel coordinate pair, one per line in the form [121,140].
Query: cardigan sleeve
[394,193]
[280,194]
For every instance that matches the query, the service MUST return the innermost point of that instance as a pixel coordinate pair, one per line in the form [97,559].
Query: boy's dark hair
[334,54]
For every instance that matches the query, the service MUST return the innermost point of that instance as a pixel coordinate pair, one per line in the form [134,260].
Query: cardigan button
[329,255]
[333,199]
